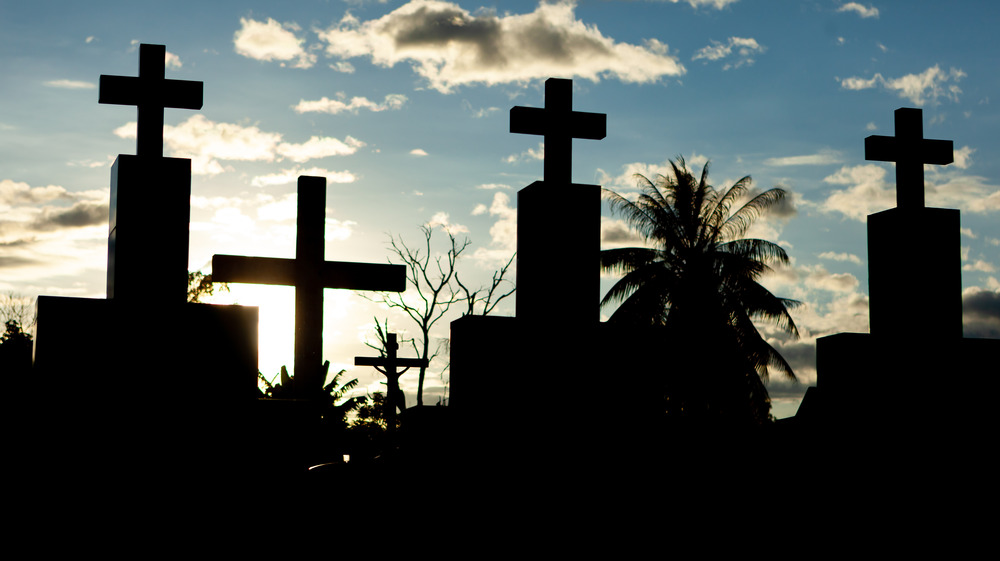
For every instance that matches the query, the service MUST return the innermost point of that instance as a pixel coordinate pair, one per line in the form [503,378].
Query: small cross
[151,93]
[559,125]
[910,150]
[309,273]
[390,362]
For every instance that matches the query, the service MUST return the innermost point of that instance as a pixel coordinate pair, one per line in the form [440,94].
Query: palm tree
[698,277]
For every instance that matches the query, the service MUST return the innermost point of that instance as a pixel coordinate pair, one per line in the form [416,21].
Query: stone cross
[309,273]
[151,93]
[559,125]
[910,150]
[390,363]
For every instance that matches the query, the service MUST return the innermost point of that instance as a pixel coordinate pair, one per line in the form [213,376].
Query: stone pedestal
[915,272]
[148,230]
[558,254]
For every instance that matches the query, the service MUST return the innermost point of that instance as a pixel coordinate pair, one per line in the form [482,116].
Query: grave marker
[309,273]
[910,150]
[389,364]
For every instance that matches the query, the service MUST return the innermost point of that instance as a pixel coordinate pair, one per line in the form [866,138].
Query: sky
[404,108]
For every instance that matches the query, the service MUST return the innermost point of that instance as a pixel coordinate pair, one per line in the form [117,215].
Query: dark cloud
[81,214]
[12,262]
[617,232]
[981,314]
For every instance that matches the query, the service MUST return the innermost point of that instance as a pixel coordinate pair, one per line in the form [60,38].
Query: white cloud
[343,66]
[334,106]
[527,155]
[441,219]
[503,233]
[860,9]
[270,40]
[206,142]
[717,4]
[71,84]
[172,61]
[840,257]
[449,46]
[981,266]
[739,51]
[418,152]
[319,147]
[823,157]
[18,193]
[493,186]
[931,85]
[289,176]
[868,190]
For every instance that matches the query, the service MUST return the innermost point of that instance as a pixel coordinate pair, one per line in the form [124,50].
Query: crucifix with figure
[388,365]
[910,150]
[310,274]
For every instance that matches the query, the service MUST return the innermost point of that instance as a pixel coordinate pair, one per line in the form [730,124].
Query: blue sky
[404,107]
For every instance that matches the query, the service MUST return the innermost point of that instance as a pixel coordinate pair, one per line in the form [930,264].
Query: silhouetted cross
[150,92]
[559,125]
[309,273]
[910,150]
[390,362]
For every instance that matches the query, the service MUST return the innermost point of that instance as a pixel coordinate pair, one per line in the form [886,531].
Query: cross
[559,125]
[910,150]
[151,93]
[391,362]
[309,273]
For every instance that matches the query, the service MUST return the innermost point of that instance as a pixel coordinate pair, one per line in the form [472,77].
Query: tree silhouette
[700,277]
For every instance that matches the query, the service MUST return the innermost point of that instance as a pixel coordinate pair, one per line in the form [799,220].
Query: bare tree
[434,279]
[19,309]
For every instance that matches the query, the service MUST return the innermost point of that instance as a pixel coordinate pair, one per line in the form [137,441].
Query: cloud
[503,232]
[319,147]
[929,86]
[206,142]
[270,40]
[981,312]
[71,84]
[840,257]
[18,193]
[441,219]
[449,46]
[717,4]
[418,152]
[980,266]
[334,106]
[82,213]
[867,190]
[821,158]
[343,66]
[493,186]
[744,49]
[860,9]
[527,155]
[172,61]
[616,233]
[289,176]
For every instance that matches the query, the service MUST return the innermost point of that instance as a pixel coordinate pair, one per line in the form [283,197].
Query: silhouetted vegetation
[699,276]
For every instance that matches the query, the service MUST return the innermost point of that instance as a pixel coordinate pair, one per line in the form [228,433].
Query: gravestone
[144,374]
[310,274]
[558,221]
[883,391]
[556,342]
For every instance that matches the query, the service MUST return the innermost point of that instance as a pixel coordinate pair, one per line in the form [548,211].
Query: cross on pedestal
[389,363]
[559,125]
[910,150]
[151,93]
[309,273]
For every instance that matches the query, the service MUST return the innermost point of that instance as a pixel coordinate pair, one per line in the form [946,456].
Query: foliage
[699,277]
[200,285]
[335,403]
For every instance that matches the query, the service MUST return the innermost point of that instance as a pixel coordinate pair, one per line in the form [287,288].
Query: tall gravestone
[556,343]
[144,373]
[886,388]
